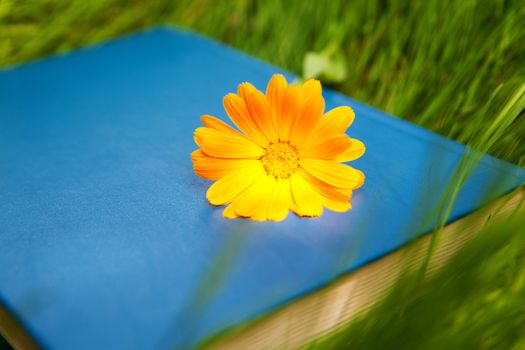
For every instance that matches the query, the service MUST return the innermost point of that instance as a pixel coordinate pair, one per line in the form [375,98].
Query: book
[107,239]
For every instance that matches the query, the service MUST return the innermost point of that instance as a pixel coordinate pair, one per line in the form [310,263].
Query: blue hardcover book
[107,240]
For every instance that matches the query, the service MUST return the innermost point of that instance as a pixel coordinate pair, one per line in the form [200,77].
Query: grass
[456,67]
[475,302]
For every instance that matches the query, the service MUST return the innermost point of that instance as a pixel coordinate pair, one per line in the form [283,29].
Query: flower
[286,156]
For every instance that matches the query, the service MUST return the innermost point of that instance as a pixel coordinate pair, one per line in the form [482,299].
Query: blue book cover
[106,237]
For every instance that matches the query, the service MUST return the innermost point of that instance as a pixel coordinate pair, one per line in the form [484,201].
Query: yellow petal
[333,173]
[229,213]
[356,150]
[337,206]
[253,203]
[306,201]
[220,144]
[259,109]
[230,186]
[240,116]
[280,201]
[326,148]
[311,111]
[266,199]
[212,168]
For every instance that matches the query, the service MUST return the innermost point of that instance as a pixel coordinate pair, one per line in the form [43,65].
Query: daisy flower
[285,155]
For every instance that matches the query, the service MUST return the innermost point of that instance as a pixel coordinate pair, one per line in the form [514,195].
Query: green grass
[477,301]
[456,67]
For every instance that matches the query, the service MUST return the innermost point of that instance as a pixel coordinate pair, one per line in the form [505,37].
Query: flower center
[281,160]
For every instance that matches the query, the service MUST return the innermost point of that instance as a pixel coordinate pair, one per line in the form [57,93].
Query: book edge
[288,318]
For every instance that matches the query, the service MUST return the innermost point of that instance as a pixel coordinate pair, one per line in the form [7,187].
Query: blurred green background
[456,67]
[437,63]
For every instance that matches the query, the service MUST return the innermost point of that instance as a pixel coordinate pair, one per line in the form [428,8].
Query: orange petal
[217,124]
[326,148]
[230,186]
[335,121]
[221,144]
[311,111]
[259,109]
[306,201]
[333,173]
[333,198]
[356,150]
[289,108]
[311,89]
[326,190]
[197,155]
[212,168]
[240,116]
[275,94]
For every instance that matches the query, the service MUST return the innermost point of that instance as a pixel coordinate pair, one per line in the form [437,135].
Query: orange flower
[287,155]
